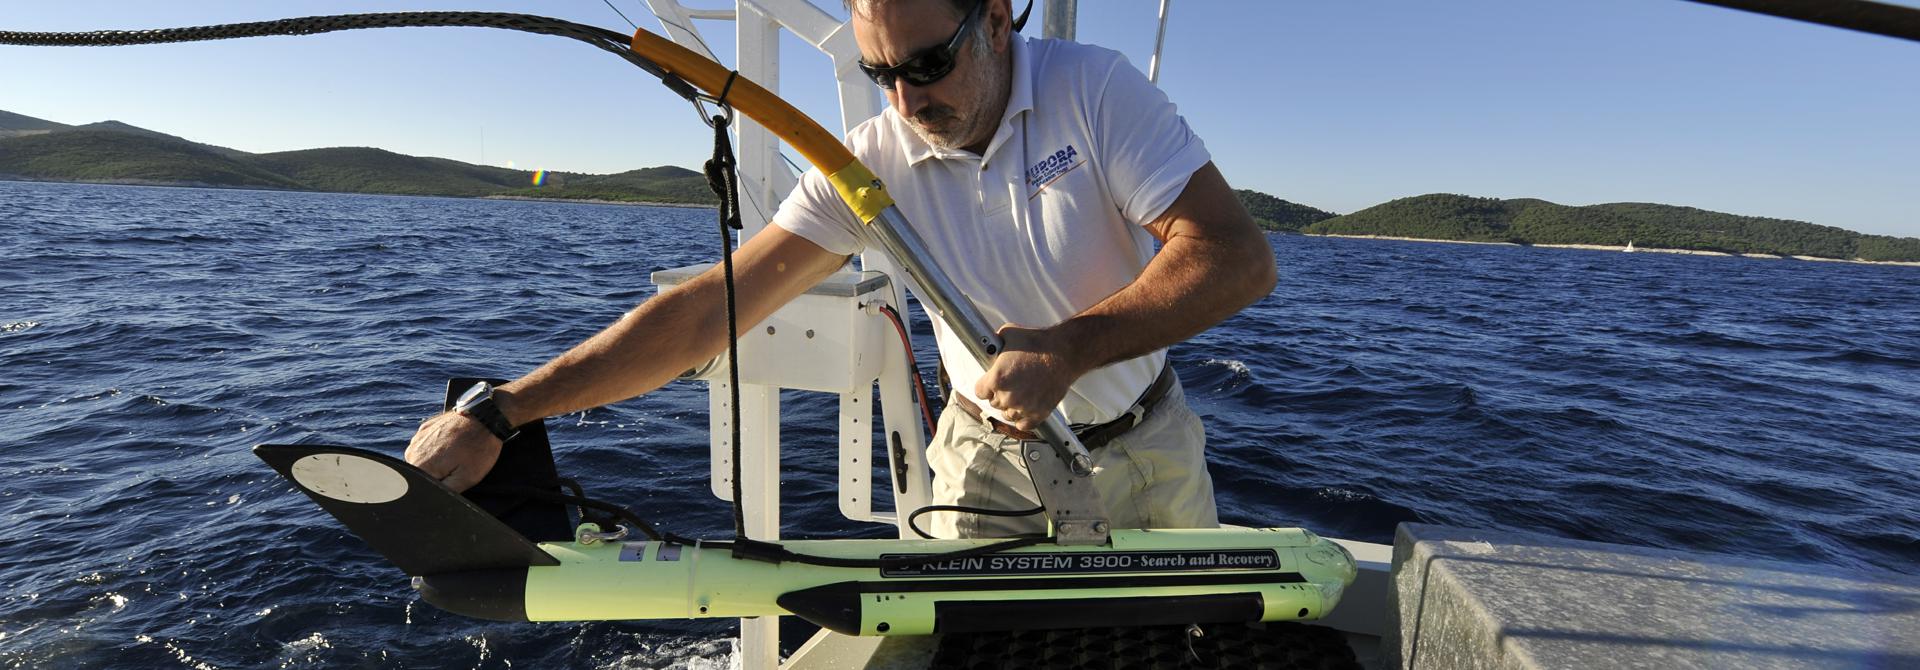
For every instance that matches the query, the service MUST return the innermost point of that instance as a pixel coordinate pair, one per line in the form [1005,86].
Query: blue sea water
[149,337]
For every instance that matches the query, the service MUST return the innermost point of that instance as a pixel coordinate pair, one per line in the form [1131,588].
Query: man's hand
[454,449]
[1030,376]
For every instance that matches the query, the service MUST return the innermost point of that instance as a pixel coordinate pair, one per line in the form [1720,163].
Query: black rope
[728,88]
[725,182]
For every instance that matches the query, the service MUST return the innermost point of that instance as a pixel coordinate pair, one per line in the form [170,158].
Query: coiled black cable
[913,520]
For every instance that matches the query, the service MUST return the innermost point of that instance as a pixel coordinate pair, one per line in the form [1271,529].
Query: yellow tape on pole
[863,193]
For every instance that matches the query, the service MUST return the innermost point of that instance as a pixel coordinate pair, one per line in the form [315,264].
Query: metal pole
[1159,41]
[1063,481]
[1061,16]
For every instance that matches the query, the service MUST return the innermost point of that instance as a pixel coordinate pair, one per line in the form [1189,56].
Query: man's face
[962,108]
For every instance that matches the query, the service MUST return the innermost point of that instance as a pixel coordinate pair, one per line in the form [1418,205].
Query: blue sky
[1338,105]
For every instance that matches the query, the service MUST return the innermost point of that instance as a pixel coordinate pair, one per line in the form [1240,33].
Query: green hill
[116,126]
[114,156]
[365,170]
[115,152]
[1439,216]
[1445,216]
[1279,215]
[12,125]
[659,184]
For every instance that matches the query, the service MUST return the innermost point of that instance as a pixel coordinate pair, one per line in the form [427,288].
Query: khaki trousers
[1153,476]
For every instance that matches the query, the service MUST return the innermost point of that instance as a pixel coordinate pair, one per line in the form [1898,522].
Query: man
[1040,173]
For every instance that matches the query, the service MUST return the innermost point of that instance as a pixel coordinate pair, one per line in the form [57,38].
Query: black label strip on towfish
[1090,563]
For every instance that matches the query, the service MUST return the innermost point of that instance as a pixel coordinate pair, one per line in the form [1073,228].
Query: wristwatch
[477,404]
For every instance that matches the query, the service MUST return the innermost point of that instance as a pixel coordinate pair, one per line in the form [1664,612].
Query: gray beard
[994,82]
[944,141]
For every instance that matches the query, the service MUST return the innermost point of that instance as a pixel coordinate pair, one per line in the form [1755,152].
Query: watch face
[473,395]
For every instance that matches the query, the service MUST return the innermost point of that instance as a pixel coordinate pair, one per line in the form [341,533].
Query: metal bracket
[1071,501]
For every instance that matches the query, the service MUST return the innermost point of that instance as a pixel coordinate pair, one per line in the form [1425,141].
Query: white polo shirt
[1049,221]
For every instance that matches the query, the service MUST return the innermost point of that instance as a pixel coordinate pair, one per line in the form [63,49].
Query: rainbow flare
[539,177]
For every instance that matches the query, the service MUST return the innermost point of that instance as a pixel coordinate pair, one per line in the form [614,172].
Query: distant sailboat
[1629,248]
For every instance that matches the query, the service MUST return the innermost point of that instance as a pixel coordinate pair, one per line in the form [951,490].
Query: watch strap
[488,414]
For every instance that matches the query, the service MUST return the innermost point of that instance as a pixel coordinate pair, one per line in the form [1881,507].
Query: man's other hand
[1029,377]
[454,449]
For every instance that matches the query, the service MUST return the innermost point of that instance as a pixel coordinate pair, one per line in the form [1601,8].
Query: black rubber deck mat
[1275,646]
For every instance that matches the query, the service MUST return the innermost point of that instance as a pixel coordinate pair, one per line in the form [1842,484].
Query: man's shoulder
[876,137]
[869,131]
[1055,57]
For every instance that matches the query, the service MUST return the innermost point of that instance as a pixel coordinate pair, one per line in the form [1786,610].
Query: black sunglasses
[930,65]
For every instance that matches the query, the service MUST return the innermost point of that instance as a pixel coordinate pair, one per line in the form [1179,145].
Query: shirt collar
[1019,100]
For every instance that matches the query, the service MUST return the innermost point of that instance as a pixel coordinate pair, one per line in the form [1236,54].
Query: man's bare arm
[1213,261]
[673,332]
[645,349]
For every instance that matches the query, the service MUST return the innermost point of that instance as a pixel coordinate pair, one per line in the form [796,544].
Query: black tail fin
[526,460]
[416,522]
[421,525]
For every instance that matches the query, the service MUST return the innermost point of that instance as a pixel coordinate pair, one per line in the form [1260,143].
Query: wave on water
[721,654]
[1866,357]
[1219,375]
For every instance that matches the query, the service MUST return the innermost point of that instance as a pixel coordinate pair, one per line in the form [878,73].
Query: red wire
[919,389]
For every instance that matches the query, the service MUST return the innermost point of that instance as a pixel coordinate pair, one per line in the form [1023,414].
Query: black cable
[578,500]
[1865,16]
[654,534]
[913,519]
[613,42]
[601,520]
[913,367]
[909,561]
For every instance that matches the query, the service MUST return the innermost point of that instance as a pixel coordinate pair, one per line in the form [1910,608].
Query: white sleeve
[1148,152]
[815,211]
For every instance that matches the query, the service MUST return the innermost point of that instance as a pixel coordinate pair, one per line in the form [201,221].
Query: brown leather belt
[1094,436]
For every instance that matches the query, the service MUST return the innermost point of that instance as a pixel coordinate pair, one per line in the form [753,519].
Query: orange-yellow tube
[856,184]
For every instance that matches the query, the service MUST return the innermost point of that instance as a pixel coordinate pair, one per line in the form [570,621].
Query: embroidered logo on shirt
[1052,167]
